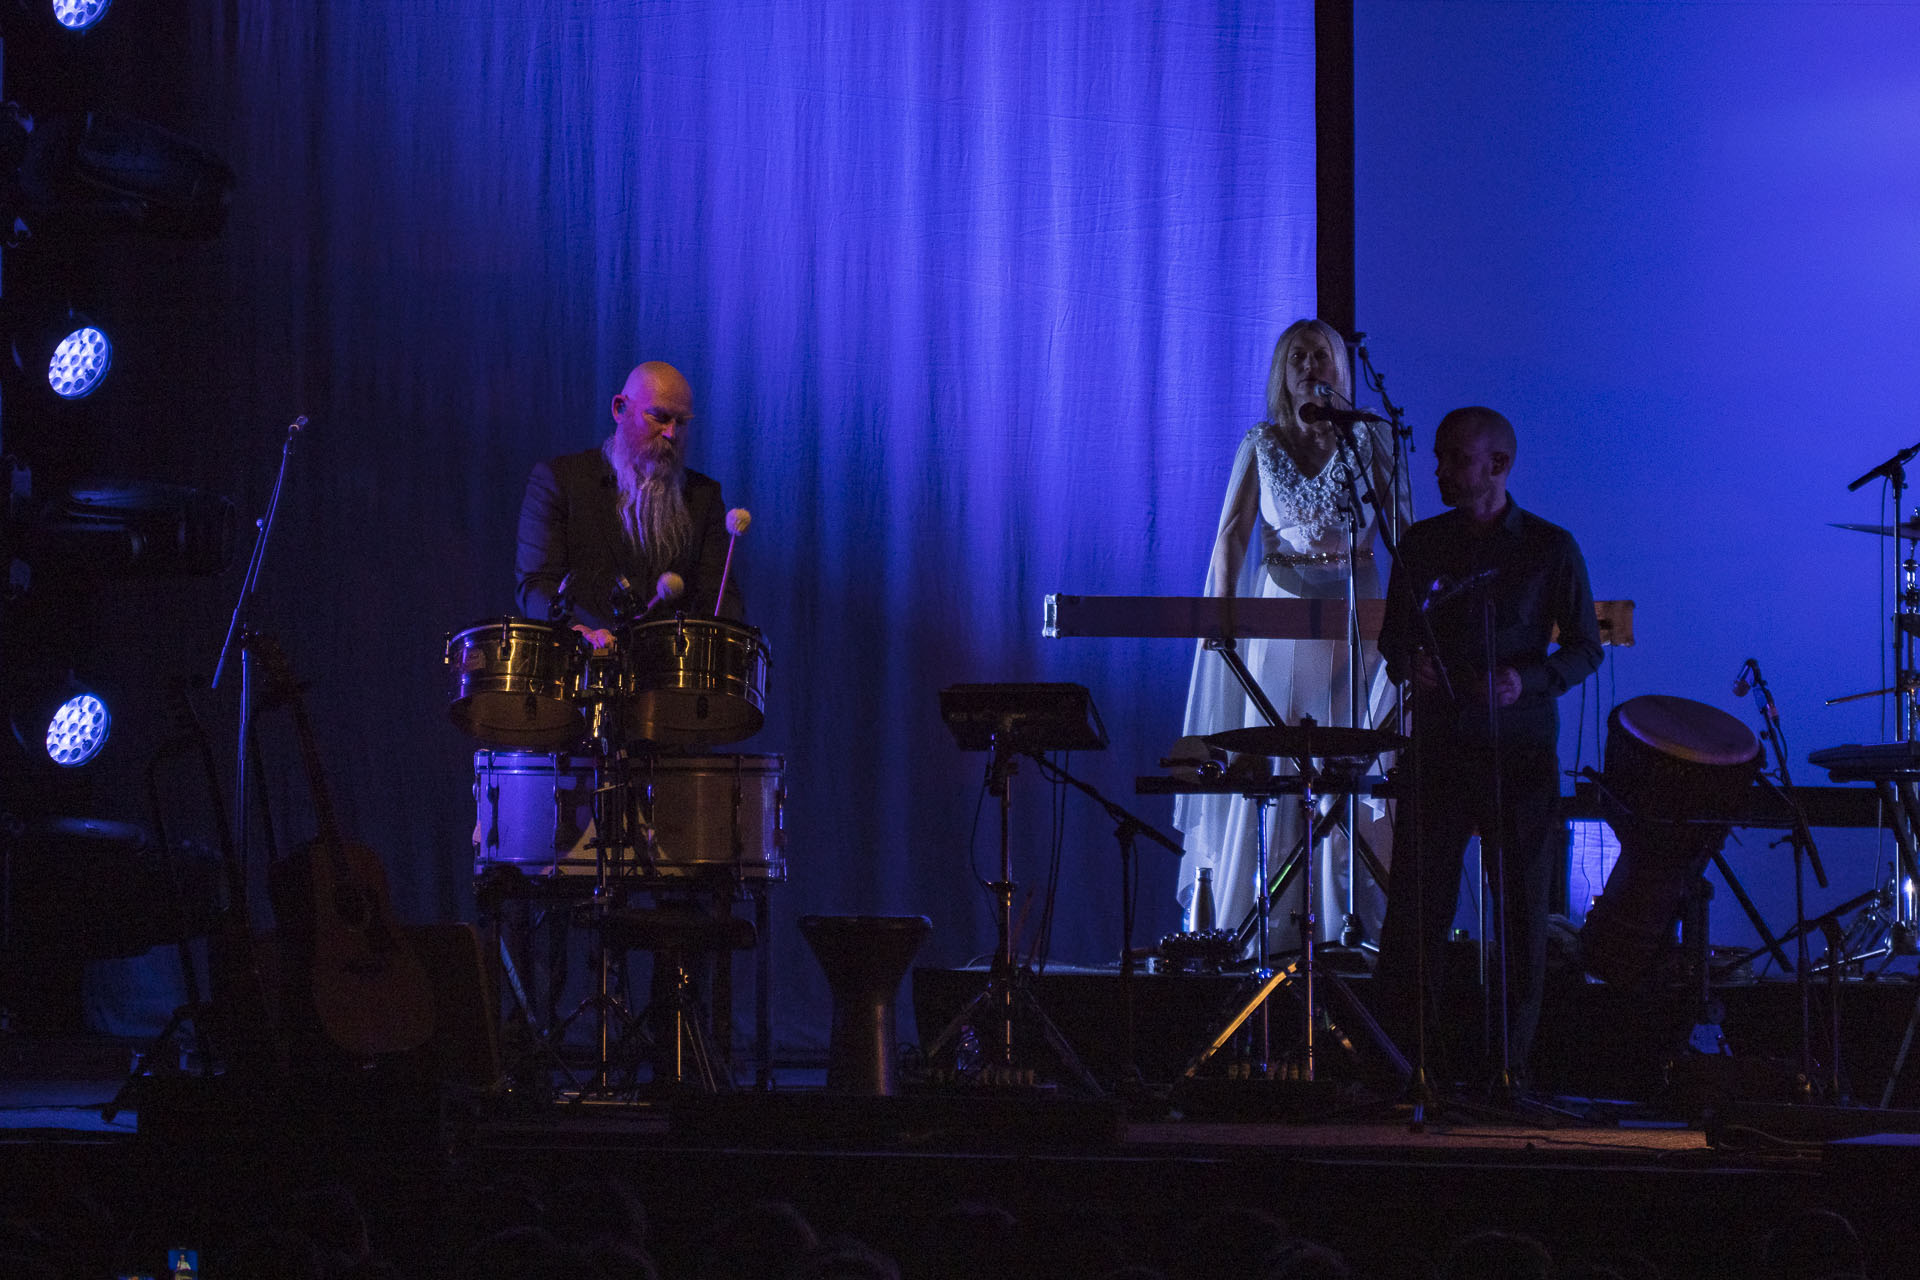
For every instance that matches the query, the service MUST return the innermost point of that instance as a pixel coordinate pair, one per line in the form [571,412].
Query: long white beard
[653,505]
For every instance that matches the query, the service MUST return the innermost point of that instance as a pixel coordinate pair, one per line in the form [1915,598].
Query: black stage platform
[436,1168]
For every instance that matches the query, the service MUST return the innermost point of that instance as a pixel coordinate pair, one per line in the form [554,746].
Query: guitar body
[370,989]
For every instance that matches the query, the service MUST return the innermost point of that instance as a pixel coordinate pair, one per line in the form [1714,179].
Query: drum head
[1687,730]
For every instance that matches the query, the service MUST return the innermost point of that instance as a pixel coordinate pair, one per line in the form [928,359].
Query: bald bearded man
[628,509]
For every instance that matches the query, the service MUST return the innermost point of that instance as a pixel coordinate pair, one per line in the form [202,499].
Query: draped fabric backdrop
[1675,244]
[976,298]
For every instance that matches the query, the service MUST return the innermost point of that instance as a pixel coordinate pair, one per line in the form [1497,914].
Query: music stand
[1011,720]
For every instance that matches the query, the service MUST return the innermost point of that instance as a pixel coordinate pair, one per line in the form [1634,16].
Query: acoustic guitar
[370,990]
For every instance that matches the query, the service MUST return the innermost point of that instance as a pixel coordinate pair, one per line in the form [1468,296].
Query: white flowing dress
[1296,529]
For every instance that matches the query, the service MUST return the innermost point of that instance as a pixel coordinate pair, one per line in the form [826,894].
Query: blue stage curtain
[976,298]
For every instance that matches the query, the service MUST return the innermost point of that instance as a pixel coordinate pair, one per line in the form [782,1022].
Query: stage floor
[1387,1196]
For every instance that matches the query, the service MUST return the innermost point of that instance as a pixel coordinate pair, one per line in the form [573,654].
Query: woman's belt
[1302,559]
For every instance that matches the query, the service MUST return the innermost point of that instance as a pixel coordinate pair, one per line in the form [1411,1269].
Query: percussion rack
[526,688]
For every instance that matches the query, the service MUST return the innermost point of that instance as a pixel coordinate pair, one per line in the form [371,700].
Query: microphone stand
[238,632]
[1906,704]
[1420,1088]
[1805,854]
[1494,833]
[1126,826]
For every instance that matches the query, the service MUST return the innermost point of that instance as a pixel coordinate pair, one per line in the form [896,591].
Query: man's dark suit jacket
[570,523]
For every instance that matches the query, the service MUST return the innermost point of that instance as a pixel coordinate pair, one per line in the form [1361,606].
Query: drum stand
[1337,819]
[1307,971]
[609,828]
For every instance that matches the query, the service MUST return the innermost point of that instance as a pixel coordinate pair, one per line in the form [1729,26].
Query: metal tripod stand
[1009,720]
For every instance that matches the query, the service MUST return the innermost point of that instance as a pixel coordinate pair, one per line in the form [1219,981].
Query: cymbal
[1910,530]
[1314,740]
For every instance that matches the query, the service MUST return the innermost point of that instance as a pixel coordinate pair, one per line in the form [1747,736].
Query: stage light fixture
[61,717]
[78,15]
[79,361]
[88,174]
[77,730]
[56,350]
[120,529]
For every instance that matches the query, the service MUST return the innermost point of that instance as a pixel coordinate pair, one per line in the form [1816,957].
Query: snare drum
[514,683]
[1678,773]
[717,814]
[694,680]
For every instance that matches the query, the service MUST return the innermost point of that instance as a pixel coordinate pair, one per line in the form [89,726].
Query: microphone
[1322,389]
[1445,587]
[1311,412]
[560,608]
[623,600]
[1741,687]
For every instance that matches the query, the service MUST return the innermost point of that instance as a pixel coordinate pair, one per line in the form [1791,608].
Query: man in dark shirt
[1485,552]
[622,517]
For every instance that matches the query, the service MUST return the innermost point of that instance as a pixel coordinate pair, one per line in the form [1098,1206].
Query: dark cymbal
[1313,740]
[1909,530]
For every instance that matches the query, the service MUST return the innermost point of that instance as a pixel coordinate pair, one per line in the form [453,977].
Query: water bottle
[1203,901]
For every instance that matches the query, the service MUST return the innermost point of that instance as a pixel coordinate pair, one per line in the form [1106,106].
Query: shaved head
[653,377]
[1477,423]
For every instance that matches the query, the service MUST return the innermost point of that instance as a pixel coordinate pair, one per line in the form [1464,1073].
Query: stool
[672,934]
[864,958]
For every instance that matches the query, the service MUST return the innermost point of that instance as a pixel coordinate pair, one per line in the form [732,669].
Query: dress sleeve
[1238,515]
[540,562]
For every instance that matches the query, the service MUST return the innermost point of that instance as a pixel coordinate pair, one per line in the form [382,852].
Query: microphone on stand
[623,600]
[1311,412]
[1446,587]
[1741,688]
[560,608]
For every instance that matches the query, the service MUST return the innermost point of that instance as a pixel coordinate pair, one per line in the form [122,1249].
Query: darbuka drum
[533,812]
[1678,773]
[717,814]
[514,683]
[694,681]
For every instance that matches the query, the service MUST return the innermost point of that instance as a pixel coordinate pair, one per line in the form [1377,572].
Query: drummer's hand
[1425,673]
[1506,687]
[599,637]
